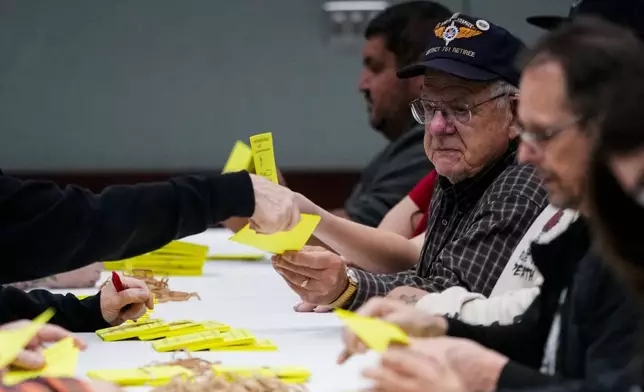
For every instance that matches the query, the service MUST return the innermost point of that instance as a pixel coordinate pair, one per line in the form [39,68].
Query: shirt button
[444,222]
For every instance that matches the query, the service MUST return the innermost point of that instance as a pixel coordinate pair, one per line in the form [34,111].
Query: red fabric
[421,195]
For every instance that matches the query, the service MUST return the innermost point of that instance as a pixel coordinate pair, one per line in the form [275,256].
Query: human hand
[113,303]
[31,357]
[476,366]
[275,207]
[407,294]
[402,369]
[317,275]
[307,307]
[413,322]
[104,386]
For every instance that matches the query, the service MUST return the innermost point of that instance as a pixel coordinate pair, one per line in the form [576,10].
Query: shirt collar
[470,190]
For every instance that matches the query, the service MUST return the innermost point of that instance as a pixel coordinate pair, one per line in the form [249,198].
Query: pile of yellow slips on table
[187,335]
[160,375]
[176,258]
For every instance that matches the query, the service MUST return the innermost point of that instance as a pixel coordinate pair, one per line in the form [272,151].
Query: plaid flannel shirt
[472,230]
[48,384]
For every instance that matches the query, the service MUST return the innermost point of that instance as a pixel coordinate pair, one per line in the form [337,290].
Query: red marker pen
[118,285]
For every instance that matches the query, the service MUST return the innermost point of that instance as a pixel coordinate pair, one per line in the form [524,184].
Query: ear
[512,116]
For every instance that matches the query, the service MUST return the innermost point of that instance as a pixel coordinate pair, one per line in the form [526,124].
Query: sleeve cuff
[242,204]
[362,294]
[517,376]
[95,320]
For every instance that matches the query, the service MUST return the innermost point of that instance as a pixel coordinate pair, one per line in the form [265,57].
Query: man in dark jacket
[582,327]
[46,230]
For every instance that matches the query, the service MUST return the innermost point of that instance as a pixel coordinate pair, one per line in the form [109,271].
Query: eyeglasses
[424,110]
[537,139]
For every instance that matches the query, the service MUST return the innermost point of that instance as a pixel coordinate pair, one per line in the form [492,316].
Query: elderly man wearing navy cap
[484,201]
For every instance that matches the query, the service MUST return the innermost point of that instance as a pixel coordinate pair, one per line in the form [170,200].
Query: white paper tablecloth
[244,295]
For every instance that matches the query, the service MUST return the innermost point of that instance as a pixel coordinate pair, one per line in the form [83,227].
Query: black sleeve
[46,230]
[71,313]
[517,341]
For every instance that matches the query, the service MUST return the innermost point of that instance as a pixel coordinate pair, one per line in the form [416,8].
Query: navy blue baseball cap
[470,48]
[627,13]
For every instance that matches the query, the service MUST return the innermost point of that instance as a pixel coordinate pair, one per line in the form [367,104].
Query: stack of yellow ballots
[162,374]
[176,258]
[187,335]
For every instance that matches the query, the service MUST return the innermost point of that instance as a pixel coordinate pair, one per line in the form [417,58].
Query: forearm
[474,308]
[80,278]
[519,341]
[379,285]
[369,248]
[71,313]
[74,227]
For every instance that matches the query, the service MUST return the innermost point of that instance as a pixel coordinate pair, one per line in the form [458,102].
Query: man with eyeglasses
[582,327]
[484,201]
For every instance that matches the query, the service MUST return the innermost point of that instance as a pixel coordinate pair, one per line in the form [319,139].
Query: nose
[528,153]
[439,125]
[363,81]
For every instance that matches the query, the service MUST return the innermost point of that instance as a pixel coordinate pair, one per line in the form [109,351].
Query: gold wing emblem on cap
[464,32]
[439,31]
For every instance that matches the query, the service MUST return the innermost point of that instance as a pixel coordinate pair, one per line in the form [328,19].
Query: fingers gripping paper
[13,341]
[61,359]
[278,243]
[376,334]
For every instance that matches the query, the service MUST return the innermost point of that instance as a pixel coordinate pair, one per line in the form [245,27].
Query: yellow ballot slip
[264,156]
[61,359]
[289,374]
[376,334]
[187,341]
[12,341]
[236,256]
[234,337]
[184,327]
[153,375]
[258,345]
[240,158]
[131,330]
[278,243]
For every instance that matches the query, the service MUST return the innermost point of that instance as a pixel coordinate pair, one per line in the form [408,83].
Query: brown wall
[328,189]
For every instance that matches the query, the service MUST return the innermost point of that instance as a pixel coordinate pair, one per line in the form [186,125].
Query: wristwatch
[349,291]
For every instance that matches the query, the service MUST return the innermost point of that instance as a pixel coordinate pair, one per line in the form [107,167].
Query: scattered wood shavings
[211,383]
[159,287]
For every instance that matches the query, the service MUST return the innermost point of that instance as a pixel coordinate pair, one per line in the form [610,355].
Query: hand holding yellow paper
[264,156]
[278,243]
[240,158]
[13,341]
[61,359]
[376,334]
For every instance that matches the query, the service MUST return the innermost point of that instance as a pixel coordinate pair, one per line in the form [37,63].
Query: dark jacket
[72,313]
[45,230]
[598,319]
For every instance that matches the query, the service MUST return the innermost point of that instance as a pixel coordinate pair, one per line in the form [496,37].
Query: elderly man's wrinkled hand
[275,207]
[317,275]
[413,322]
[31,357]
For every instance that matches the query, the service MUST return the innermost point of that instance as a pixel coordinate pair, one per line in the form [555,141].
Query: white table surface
[244,295]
